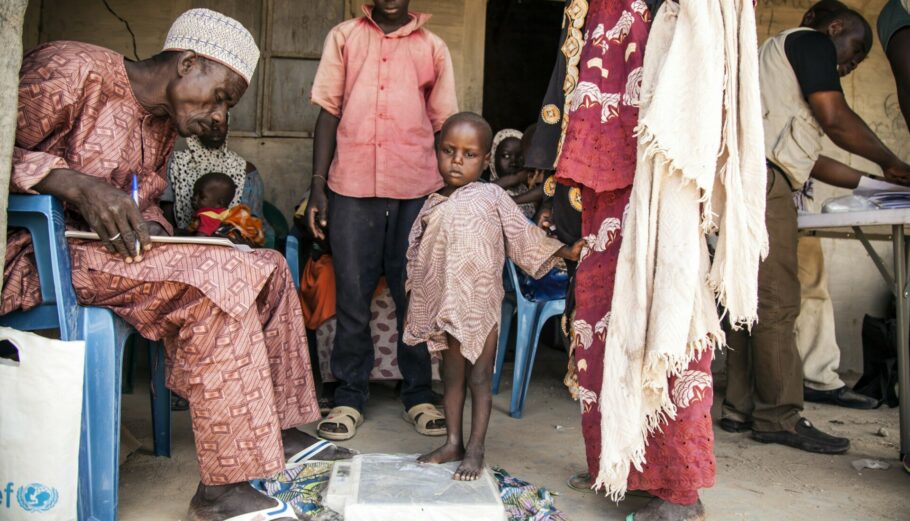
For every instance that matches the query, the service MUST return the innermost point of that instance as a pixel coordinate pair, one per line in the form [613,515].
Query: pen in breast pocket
[134,192]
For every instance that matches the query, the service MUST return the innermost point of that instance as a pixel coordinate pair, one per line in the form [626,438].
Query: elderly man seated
[89,120]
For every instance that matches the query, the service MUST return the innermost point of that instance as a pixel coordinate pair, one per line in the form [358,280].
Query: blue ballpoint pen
[134,192]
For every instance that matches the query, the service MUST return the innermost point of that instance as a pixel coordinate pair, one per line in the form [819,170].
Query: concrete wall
[285,162]
[855,284]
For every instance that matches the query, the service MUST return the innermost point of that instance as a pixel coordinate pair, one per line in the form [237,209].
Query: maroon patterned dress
[598,155]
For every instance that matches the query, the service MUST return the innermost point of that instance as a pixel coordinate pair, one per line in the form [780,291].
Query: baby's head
[463,152]
[507,158]
[213,190]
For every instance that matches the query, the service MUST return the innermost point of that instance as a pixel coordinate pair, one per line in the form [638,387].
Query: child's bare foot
[446,453]
[471,466]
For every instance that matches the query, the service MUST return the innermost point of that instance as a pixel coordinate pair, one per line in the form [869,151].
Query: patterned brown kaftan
[231,321]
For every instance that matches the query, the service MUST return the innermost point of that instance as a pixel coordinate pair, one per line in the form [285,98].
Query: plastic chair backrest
[42,216]
[513,278]
[292,255]
[276,219]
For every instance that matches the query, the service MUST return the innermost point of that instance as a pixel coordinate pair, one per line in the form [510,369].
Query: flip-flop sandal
[279,511]
[631,517]
[580,482]
[421,416]
[312,452]
[342,416]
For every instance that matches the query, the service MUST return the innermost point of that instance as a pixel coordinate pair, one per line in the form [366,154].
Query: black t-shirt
[814,60]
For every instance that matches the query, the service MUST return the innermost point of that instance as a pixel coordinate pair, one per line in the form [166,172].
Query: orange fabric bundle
[317,291]
[241,221]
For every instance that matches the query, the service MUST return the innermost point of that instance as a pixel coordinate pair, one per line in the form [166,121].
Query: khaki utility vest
[793,138]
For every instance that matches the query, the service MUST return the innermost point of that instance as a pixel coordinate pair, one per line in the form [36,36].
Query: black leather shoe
[734,426]
[843,397]
[806,438]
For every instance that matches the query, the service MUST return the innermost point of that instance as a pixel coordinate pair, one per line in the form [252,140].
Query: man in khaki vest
[802,101]
[815,327]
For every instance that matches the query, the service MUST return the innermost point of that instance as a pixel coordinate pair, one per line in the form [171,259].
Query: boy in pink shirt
[385,85]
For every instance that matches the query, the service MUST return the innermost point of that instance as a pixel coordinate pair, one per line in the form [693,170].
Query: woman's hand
[545,220]
[535,177]
[226,231]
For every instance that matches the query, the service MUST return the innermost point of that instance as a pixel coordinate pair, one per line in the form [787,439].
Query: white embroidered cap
[215,36]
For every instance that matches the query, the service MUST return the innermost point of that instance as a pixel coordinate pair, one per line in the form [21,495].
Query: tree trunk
[12,16]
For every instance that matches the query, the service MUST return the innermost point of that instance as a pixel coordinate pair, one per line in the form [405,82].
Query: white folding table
[879,225]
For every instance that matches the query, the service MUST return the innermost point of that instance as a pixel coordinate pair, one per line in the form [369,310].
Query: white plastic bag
[40,416]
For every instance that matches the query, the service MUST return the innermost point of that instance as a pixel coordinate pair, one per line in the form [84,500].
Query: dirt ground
[754,481]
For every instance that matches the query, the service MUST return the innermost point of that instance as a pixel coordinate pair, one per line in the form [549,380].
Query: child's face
[461,157]
[391,8]
[213,195]
[508,157]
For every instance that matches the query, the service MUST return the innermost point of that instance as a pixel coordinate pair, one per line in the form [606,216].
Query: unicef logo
[36,497]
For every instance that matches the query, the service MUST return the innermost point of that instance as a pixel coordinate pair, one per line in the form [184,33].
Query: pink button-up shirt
[392,92]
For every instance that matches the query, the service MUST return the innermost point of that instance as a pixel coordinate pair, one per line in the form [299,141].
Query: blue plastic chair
[532,315]
[292,255]
[105,336]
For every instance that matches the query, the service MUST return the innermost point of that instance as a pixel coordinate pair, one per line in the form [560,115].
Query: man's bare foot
[446,453]
[471,466]
[226,501]
[659,510]
[295,441]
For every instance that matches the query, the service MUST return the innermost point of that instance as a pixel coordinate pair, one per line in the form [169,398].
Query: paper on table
[891,200]
[166,239]
[870,186]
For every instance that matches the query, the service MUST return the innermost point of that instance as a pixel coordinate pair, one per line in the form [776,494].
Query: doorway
[522,39]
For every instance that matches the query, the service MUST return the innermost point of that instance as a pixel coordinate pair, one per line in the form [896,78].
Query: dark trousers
[369,238]
[764,369]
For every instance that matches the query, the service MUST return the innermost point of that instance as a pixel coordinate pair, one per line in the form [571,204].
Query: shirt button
[379,145]
[382,87]
[385,59]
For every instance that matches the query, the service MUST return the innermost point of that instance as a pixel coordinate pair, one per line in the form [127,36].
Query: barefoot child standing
[457,250]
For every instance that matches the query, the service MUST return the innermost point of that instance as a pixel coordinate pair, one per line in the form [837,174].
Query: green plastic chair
[278,223]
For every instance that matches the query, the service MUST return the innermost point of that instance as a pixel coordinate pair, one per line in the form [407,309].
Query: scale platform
[394,487]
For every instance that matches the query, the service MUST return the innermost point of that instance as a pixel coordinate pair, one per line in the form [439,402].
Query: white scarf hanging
[700,169]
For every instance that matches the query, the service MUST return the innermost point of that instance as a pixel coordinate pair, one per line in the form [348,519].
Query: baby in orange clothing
[212,194]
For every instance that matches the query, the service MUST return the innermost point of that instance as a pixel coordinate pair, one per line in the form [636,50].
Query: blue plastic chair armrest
[43,216]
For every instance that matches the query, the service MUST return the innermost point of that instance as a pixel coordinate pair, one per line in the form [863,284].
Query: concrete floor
[754,482]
